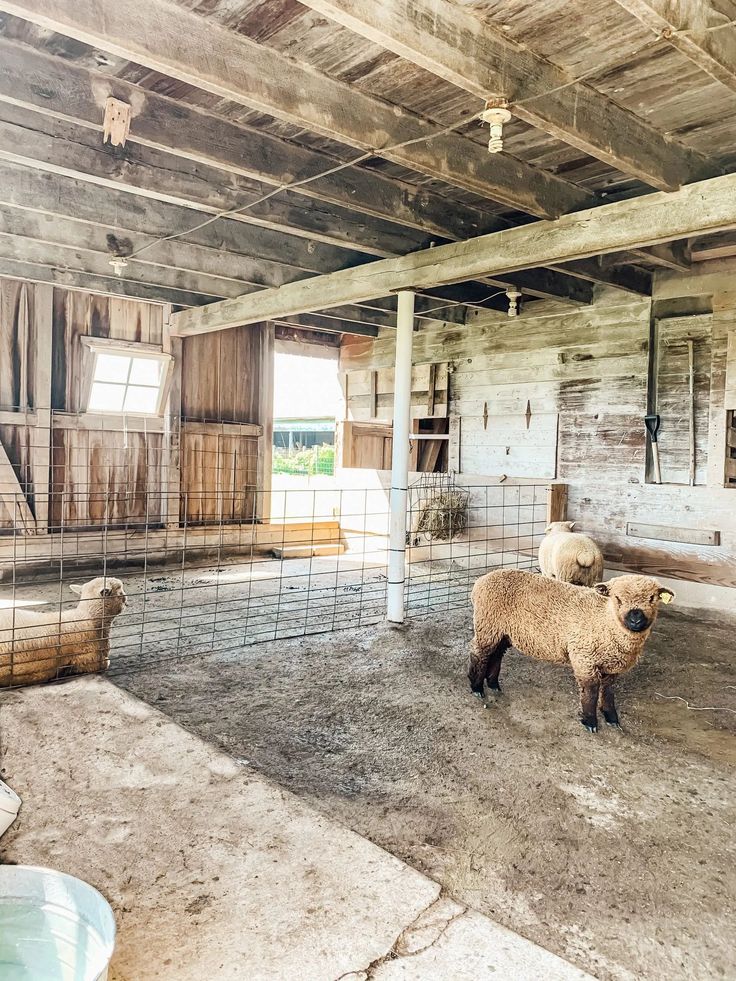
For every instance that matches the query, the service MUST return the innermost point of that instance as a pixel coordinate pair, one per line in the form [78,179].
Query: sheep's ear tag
[75,589]
[665,597]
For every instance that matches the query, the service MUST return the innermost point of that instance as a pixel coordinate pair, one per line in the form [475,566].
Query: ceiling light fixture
[118,263]
[496,114]
[513,297]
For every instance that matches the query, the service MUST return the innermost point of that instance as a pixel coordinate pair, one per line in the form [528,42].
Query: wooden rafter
[186,46]
[706,206]
[704,34]
[443,38]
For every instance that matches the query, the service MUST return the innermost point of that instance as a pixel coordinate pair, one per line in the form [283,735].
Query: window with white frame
[126,378]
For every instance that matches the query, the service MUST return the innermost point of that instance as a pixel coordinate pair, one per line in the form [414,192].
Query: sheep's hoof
[478,693]
[612,719]
[590,724]
[494,686]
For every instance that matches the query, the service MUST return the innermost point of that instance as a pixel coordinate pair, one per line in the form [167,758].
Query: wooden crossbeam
[72,151]
[689,27]
[443,38]
[706,206]
[12,496]
[169,39]
[63,90]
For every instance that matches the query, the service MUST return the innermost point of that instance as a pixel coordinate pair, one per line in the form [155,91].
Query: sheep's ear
[602,588]
[571,524]
[75,589]
[666,595]
[548,529]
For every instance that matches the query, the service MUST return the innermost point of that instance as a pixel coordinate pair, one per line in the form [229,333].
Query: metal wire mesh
[221,565]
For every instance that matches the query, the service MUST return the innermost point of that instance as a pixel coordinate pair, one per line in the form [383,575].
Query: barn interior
[510,230]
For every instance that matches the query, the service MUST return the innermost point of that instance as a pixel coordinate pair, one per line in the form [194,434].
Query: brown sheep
[569,556]
[37,646]
[599,632]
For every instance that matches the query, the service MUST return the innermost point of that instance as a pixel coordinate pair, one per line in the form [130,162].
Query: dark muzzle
[636,620]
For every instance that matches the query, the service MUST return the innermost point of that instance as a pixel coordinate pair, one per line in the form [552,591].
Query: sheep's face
[557,526]
[106,590]
[634,601]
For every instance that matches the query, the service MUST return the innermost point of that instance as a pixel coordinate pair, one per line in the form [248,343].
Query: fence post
[400,458]
[556,502]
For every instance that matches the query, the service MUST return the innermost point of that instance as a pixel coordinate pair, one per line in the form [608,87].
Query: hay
[444,515]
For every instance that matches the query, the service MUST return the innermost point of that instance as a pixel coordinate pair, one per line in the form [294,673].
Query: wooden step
[307,551]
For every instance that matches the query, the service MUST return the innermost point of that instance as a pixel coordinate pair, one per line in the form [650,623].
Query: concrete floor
[615,851]
[215,872]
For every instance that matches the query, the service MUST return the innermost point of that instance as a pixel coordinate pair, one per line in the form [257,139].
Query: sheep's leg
[606,700]
[495,659]
[478,666]
[589,688]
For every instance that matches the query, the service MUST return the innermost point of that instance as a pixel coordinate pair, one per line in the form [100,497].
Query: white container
[52,927]
[9,806]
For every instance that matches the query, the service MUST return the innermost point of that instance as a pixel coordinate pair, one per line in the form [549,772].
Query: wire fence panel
[203,572]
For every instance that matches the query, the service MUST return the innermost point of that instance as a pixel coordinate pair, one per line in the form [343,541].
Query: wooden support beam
[444,38]
[688,27]
[12,496]
[48,145]
[183,45]
[670,255]
[64,90]
[55,146]
[713,247]
[707,206]
[630,279]
[205,288]
[329,325]
[90,283]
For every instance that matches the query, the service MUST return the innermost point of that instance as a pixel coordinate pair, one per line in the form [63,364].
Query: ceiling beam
[631,279]
[449,41]
[90,283]
[55,146]
[68,150]
[188,47]
[671,255]
[713,247]
[696,208]
[329,325]
[688,27]
[63,90]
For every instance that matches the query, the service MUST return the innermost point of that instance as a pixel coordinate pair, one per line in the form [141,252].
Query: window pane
[139,399]
[112,368]
[106,398]
[145,371]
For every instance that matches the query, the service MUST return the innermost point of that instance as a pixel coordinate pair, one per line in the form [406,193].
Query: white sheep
[570,557]
[36,646]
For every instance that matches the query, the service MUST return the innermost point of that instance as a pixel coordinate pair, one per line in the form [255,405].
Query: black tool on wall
[653,423]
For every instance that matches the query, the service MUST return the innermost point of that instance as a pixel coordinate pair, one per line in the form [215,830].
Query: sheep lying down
[37,646]
[600,632]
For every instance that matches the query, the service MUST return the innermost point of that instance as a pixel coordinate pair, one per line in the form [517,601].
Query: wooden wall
[203,461]
[587,370]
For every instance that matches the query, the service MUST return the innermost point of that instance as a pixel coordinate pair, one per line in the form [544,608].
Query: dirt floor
[614,850]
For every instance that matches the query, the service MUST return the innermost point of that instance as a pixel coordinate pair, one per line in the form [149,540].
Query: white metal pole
[400,458]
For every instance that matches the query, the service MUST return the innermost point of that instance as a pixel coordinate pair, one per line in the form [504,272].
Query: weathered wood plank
[183,45]
[449,41]
[709,205]
[59,147]
[688,27]
[41,448]
[670,533]
[36,80]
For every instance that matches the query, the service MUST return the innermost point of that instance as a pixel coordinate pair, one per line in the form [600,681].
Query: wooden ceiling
[654,97]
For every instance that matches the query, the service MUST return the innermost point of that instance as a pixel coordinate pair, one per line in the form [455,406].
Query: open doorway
[307,402]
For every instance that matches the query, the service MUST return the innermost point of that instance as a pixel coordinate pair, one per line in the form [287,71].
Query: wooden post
[171,470]
[556,502]
[41,450]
